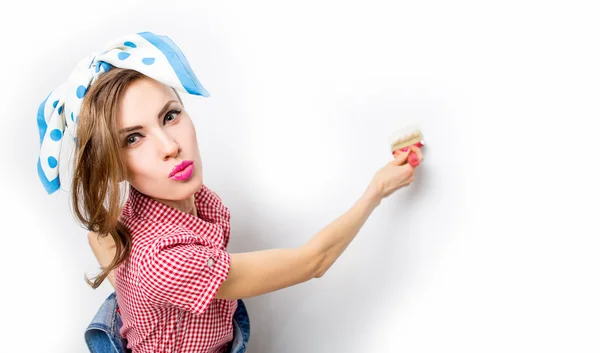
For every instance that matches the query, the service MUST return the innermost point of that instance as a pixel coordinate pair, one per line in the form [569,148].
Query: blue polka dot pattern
[106,66]
[154,55]
[56,134]
[148,61]
[81,91]
[123,55]
[52,162]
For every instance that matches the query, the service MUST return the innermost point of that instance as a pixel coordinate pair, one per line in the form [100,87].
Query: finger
[400,157]
[417,151]
[408,175]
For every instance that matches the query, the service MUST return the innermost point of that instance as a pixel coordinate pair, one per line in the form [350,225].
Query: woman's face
[156,134]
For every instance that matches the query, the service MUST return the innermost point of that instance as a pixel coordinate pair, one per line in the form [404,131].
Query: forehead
[142,100]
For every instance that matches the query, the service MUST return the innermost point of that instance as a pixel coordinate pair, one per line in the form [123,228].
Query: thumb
[400,157]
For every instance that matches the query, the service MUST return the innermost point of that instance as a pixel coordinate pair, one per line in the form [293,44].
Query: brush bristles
[403,139]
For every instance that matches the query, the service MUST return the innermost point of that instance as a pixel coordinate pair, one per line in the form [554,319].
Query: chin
[185,190]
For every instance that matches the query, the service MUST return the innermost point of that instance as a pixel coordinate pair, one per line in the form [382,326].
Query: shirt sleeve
[179,272]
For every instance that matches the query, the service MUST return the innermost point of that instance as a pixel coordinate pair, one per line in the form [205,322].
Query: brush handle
[413,159]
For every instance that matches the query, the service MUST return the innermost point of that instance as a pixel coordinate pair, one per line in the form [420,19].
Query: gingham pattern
[178,261]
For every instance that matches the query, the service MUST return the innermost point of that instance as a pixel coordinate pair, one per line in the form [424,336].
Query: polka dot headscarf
[153,55]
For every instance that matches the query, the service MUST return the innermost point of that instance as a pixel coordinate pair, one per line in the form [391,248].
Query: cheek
[137,164]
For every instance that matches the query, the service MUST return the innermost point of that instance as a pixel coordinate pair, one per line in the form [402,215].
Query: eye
[130,140]
[172,114]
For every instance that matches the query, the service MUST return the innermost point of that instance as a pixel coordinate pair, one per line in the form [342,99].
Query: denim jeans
[102,334]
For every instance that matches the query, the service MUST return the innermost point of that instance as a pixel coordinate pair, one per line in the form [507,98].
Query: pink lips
[182,171]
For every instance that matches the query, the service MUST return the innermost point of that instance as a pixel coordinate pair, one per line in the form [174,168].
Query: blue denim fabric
[103,333]
[241,329]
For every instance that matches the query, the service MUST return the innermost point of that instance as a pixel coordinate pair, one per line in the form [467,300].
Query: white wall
[494,248]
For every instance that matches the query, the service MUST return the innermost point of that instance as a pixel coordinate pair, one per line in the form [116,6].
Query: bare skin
[104,250]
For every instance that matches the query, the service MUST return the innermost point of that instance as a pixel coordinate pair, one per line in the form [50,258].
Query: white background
[494,247]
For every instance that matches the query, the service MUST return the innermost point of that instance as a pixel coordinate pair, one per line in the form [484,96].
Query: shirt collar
[212,214]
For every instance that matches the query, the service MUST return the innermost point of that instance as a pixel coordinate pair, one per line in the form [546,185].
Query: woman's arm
[260,272]
[104,249]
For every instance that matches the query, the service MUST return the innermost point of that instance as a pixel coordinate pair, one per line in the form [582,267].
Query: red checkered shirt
[165,290]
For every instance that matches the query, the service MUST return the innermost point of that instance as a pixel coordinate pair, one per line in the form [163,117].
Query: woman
[176,287]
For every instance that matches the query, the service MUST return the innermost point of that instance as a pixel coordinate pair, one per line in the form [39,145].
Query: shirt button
[210,262]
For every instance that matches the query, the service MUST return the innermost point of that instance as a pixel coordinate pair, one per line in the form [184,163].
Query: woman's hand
[396,174]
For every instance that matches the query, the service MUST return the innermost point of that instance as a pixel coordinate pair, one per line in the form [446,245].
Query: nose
[169,148]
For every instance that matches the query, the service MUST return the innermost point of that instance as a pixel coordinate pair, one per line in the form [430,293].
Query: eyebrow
[160,115]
